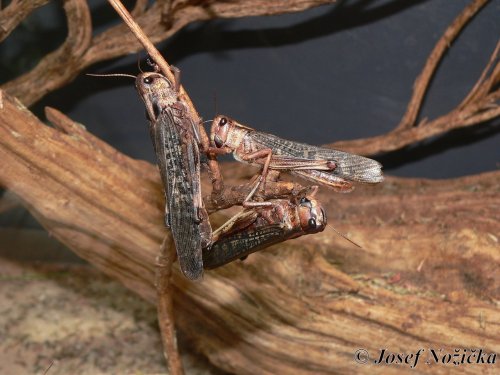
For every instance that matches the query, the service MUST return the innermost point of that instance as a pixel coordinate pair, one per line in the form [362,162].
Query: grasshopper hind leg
[247,203]
[261,181]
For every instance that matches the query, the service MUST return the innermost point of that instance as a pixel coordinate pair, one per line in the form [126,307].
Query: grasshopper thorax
[226,132]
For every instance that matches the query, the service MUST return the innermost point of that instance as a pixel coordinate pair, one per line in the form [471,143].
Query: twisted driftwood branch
[423,80]
[164,18]
[15,12]
[63,65]
[57,68]
[480,105]
[427,276]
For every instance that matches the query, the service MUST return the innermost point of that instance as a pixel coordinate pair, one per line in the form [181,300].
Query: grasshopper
[333,168]
[175,137]
[256,228]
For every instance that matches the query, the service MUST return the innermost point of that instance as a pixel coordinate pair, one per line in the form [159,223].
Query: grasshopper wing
[241,244]
[348,166]
[177,153]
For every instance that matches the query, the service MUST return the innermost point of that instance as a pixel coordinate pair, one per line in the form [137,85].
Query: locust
[175,136]
[333,168]
[258,227]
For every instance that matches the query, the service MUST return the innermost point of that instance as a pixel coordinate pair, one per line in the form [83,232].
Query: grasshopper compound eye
[148,80]
[223,121]
[312,223]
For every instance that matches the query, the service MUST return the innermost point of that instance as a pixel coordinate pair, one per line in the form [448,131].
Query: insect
[256,228]
[333,168]
[175,137]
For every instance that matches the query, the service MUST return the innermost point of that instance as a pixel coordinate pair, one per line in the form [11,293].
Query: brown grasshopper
[256,228]
[175,137]
[333,168]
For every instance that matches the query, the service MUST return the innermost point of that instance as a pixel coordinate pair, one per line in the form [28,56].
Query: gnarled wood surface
[427,276]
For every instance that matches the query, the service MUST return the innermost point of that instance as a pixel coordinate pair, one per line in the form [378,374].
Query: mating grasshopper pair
[176,139]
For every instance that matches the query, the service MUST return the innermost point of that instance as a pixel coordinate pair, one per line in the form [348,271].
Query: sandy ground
[77,321]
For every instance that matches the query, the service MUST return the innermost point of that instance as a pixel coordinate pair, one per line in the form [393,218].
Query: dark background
[337,72]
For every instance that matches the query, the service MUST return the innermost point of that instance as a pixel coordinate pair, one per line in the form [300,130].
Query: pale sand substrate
[80,321]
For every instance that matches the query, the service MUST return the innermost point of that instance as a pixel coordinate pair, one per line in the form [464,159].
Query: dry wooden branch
[14,13]
[479,106]
[426,278]
[165,307]
[423,80]
[57,67]
[63,65]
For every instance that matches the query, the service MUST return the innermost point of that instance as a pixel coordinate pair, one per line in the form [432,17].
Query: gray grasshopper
[333,168]
[175,137]
[256,228]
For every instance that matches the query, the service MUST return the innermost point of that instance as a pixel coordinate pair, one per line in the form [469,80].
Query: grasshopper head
[312,216]
[156,91]
[226,132]
[221,127]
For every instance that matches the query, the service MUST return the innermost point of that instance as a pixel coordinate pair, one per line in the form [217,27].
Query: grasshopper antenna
[343,236]
[111,75]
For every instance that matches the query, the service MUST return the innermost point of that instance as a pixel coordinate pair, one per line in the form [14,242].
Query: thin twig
[214,170]
[48,368]
[139,8]
[480,88]
[165,307]
[114,42]
[14,13]
[57,67]
[145,41]
[479,106]
[423,80]
[167,256]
